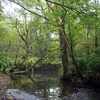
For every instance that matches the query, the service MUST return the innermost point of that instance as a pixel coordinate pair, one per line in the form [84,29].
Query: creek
[46,86]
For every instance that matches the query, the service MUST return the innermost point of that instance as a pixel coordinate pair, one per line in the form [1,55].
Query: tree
[74,24]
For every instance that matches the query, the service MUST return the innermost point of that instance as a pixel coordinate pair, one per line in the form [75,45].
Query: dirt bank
[4,80]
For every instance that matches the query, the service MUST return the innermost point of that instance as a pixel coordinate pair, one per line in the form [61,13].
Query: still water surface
[40,85]
[47,87]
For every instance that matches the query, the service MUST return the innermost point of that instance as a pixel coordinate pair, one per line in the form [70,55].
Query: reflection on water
[40,85]
[48,88]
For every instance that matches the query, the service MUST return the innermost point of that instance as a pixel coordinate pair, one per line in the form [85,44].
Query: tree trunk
[70,36]
[96,43]
[63,53]
[87,46]
[62,33]
[63,47]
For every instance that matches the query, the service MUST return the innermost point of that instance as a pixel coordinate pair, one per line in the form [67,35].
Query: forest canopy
[42,32]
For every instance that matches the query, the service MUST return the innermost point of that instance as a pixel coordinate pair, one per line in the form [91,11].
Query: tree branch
[38,61]
[29,10]
[64,6]
[25,71]
[65,40]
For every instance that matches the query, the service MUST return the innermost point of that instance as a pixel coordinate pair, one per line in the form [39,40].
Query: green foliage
[94,63]
[82,64]
[36,34]
[3,62]
[89,66]
[30,61]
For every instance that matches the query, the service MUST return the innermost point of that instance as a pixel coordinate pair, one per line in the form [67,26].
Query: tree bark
[63,52]
[65,40]
[70,36]
[63,47]
[87,46]
[96,43]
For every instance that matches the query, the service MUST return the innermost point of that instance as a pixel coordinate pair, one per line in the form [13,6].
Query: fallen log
[18,72]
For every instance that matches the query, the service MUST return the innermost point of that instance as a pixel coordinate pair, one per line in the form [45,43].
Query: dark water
[46,86]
